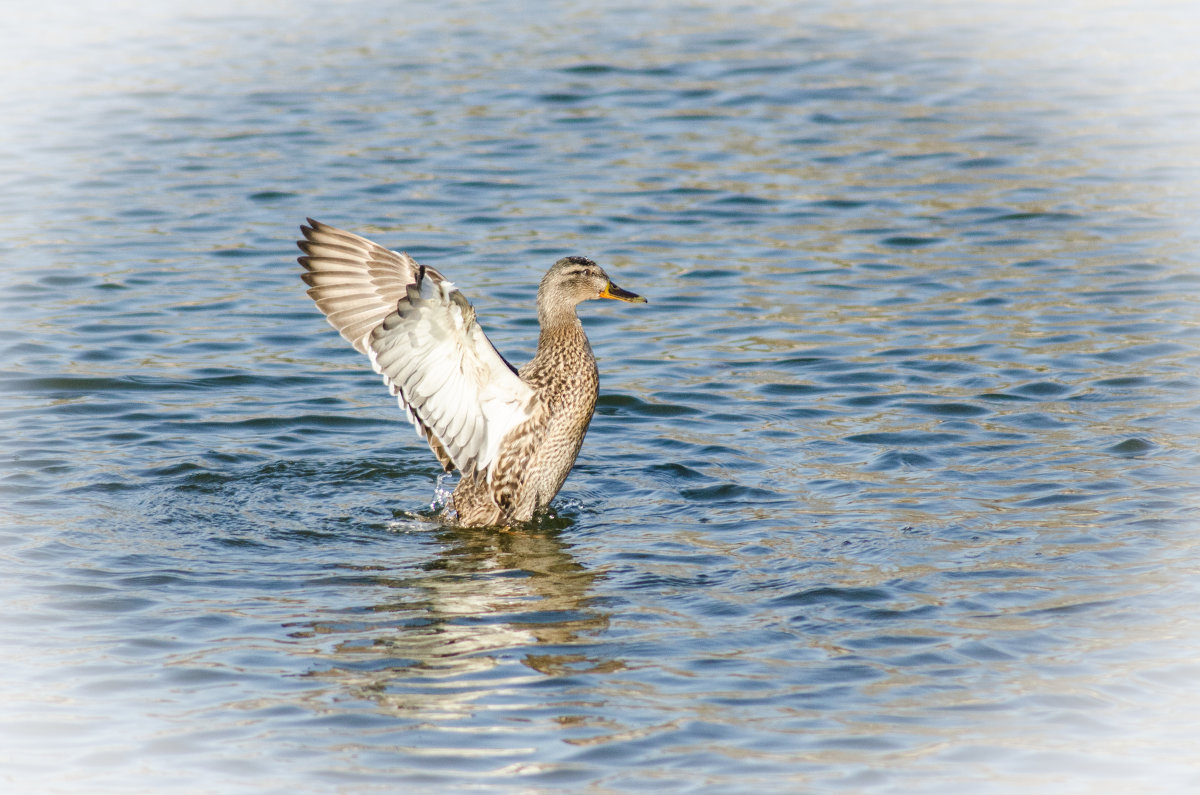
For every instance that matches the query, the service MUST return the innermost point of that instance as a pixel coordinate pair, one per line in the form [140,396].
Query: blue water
[892,487]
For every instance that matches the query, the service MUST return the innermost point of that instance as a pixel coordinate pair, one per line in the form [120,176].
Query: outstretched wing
[421,336]
[355,282]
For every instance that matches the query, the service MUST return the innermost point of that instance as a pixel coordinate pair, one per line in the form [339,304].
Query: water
[891,488]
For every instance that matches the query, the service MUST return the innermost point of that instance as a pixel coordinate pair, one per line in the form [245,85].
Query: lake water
[892,487]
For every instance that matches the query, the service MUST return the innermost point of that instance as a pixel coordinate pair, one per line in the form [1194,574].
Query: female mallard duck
[512,434]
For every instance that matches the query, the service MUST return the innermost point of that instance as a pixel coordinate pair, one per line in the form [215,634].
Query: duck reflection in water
[489,598]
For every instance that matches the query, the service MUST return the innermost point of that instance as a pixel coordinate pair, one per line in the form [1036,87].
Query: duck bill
[613,291]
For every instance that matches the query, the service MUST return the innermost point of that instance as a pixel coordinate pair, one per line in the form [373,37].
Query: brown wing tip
[314,227]
[310,231]
[307,231]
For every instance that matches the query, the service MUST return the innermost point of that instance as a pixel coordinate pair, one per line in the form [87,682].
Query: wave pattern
[892,488]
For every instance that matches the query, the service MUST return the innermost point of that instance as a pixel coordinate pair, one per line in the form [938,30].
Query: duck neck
[563,348]
[558,318]
[559,328]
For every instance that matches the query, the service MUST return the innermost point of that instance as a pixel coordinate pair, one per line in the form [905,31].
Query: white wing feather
[420,334]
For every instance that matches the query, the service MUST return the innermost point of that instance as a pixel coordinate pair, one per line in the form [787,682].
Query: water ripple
[892,489]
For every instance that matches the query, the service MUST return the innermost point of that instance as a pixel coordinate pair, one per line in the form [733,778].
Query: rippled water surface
[891,487]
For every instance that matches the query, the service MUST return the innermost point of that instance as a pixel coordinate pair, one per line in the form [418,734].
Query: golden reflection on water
[488,592]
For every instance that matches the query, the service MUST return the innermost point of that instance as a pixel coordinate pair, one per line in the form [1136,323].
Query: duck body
[537,455]
[513,434]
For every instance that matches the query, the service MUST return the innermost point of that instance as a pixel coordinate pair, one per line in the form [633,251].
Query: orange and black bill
[613,291]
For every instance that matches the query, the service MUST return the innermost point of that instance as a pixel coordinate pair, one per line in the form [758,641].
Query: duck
[512,434]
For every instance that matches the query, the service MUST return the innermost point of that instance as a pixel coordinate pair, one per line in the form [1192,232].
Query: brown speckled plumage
[513,435]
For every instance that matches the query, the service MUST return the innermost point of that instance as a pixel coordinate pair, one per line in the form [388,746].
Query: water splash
[443,496]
